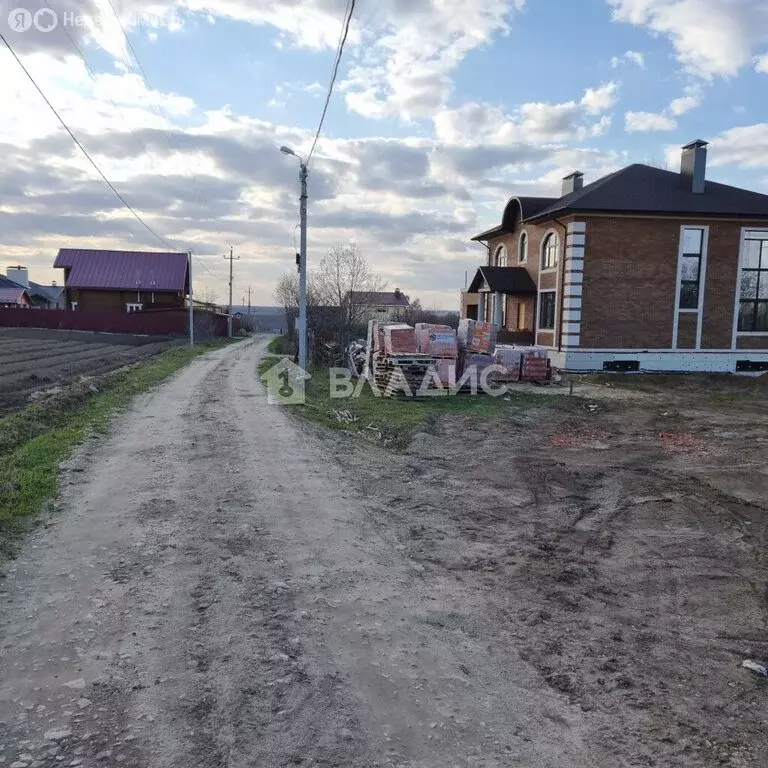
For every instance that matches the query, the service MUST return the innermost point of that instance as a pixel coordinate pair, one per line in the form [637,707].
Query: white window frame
[73,306]
[559,256]
[737,302]
[497,253]
[132,307]
[553,329]
[523,239]
[699,310]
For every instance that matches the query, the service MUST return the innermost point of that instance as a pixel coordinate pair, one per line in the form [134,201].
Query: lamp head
[288,151]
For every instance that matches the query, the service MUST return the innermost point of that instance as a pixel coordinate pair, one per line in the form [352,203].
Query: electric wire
[83,149]
[337,62]
[170,138]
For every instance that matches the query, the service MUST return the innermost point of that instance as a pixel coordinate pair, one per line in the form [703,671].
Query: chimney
[19,275]
[693,168]
[398,294]
[573,183]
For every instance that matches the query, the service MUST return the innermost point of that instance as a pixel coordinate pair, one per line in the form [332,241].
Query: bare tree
[345,281]
[287,296]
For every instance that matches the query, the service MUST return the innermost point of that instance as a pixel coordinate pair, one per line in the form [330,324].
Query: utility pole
[231,258]
[303,271]
[191,301]
[302,260]
[249,299]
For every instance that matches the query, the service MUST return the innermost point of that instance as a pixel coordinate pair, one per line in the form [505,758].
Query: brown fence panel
[172,322]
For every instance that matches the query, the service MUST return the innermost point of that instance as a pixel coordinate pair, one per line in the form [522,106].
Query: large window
[522,250]
[690,268]
[753,300]
[549,251]
[500,257]
[547,310]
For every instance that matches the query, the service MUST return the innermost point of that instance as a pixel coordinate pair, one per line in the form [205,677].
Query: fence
[170,322]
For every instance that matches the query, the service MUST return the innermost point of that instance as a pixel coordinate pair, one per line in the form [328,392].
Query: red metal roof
[124,270]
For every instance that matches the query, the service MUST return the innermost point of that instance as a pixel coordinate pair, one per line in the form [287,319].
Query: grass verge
[35,440]
[393,422]
[280,345]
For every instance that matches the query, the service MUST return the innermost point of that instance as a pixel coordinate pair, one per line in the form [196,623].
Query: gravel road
[212,591]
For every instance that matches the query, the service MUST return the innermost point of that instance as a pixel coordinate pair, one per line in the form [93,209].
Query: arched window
[500,257]
[522,249]
[549,251]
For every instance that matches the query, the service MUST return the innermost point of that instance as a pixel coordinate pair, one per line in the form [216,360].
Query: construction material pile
[403,360]
[396,365]
[439,342]
[477,342]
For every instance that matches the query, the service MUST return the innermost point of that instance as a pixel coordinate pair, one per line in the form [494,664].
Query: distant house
[42,296]
[123,281]
[644,269]
[13,295]
[378,305]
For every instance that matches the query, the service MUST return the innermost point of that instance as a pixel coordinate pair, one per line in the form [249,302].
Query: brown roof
[638,189]
[380,299]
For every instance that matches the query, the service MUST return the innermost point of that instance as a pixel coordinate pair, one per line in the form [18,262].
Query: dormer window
[500,257]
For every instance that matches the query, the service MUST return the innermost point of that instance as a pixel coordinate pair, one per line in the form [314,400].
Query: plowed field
[35,360]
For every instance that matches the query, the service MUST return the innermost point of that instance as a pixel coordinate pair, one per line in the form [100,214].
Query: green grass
[280,345]
[397,420]
[35,440]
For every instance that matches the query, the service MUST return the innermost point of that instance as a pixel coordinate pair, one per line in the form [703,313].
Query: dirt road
[217,590]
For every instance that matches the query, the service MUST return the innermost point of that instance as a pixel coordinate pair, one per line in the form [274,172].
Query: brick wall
[630,280]
[722,278]
[549,280]
[630,269]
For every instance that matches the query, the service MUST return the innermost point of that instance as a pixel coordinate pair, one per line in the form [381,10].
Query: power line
[92,73]
[202,266]
[170,138]
[83,149]
[336,64]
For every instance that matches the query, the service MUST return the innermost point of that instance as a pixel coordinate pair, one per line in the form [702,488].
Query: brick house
[377,305]
[123,281]
[644,269]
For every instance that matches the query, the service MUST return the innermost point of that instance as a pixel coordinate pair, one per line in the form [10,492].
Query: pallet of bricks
[477,344]
[535,366]
[396,367]
[439,343]
[522,364]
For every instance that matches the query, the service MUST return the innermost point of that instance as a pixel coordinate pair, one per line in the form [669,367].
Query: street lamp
[303,261]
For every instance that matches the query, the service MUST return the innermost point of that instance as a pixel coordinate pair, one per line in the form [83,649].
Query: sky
[443,110]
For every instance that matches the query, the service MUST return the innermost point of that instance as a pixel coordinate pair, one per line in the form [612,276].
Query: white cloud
[636,122]
[531,123]
[406,71]
[597,100]
[648,121]
[629,57]
[683,104]
[745,146]
[761,63]
[711,37]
